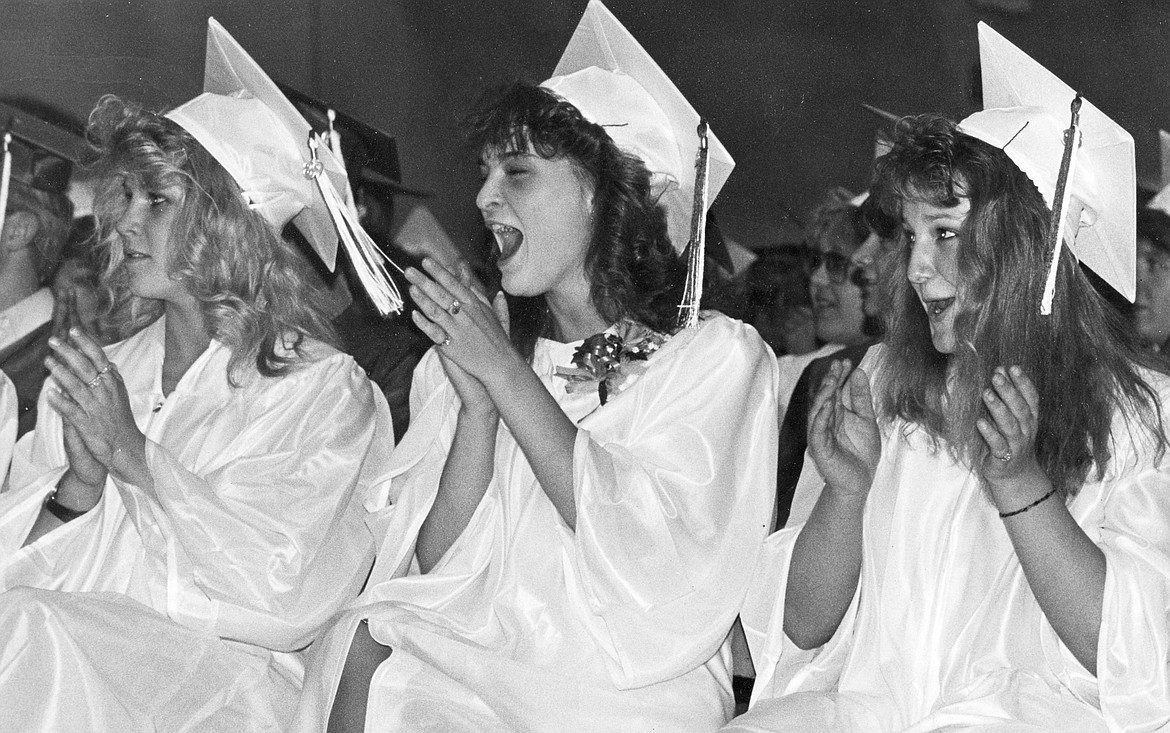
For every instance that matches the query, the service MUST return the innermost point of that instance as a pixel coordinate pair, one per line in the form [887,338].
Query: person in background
[1151,309]
[985,553]
[837,231]
[865,266]
[582,491]
[777,295]
[833,236]
[188,512]
[36,226]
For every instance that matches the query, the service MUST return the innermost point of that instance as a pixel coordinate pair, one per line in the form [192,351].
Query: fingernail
[54,341]
[74,332]
[988,394]
[997,379]
[1017,371]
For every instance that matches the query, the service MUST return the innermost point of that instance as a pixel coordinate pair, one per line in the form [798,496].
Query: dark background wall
[780,80]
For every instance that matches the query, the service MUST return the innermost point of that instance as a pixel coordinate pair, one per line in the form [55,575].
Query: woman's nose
[489,194]
[921,266]
[131,220]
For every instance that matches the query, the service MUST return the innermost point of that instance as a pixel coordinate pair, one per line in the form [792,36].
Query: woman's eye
[946,234]
[156,199]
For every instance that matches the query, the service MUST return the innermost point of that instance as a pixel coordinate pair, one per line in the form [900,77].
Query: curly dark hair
[255,290]
[634,272]
[1082,358]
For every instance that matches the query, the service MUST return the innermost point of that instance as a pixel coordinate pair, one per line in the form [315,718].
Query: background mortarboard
[1026,111]
[43,154]
[1161,200]
[641,109]
[370,155]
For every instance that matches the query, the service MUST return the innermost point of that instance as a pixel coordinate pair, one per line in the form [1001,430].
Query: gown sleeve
[260,542]
[7,425]
[673,500]
[1131,525]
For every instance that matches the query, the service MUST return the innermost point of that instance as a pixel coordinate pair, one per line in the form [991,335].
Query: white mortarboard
[1026,112]
[606,74]
[1161,200]
[250,127]
[881,145]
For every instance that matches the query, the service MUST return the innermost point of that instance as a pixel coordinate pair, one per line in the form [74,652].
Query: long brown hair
[1082,358]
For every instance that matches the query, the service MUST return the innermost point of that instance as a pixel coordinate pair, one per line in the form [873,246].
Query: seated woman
[574,510]
[186,516]
[990,550]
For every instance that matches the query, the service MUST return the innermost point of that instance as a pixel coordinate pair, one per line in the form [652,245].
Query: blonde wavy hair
[257,292]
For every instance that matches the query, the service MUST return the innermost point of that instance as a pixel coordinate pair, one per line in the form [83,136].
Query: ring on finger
[101,373]
[447,341]
[1007,456]
[455,307]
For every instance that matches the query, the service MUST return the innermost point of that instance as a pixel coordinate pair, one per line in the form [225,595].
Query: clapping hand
[95,407]
[843,434]
[1010,434]
[470,330]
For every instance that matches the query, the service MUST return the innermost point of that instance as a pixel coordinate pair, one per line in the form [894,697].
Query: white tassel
[369,261]
[5,177]
[693,291]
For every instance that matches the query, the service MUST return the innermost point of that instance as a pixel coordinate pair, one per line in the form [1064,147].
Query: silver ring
[447,341]
[455,307]
[101,373]
[1007,456]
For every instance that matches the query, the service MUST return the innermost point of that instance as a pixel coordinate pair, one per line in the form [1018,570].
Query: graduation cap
[286,171]
[36,153]
[370,155]
[606,74]
[882,143]
[1092,189]
[1161,200]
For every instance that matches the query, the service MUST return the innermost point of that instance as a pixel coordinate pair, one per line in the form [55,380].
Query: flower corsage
[608,360]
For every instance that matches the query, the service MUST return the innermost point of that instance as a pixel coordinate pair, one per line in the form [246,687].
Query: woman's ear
[20,228]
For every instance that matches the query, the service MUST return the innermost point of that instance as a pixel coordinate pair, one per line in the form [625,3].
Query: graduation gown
[185,606]
[621,625]
[8,412]
[944,629]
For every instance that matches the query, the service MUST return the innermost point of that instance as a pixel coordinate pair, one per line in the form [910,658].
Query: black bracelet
[1041,500]
[60,511]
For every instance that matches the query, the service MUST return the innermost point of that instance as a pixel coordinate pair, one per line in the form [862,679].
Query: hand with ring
[1013,404]
[470,330]
[92,400]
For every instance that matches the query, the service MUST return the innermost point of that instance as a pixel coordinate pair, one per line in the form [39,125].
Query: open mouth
[508,239]
[133,254]
[935,308]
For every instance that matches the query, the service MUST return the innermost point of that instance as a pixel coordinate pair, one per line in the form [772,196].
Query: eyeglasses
[837,266]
